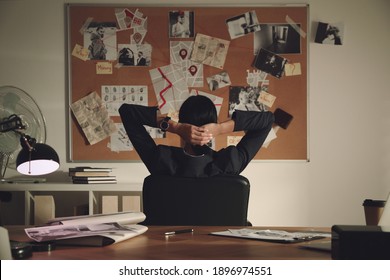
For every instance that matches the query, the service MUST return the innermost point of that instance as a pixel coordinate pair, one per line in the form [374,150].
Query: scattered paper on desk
[90,230]
[273,235]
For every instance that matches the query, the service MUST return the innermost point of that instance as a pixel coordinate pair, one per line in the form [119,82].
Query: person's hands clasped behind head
[193,134]
[194,115]
[197,124]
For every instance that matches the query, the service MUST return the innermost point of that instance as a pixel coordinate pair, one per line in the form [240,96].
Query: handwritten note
[292,69]
[103,67]
[80,52]
[266,98]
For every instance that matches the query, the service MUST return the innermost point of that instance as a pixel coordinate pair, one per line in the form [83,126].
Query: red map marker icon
[193,69]
[183,53]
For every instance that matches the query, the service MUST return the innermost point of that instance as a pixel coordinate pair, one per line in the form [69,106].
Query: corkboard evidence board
[286,23]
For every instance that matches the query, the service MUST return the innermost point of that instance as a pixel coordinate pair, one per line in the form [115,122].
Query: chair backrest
[220,200]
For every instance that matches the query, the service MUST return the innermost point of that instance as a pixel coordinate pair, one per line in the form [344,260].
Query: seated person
[197,126]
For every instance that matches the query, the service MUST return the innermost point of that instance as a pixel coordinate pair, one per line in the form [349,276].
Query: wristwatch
[164,125]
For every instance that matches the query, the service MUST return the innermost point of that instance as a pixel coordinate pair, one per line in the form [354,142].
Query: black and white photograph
[218,81]
[134,54]
[270,63]
[181,24]
[143,55]
[245,99]
[100,40]
[331,34]
[243,24]
[126,54]
[277,38]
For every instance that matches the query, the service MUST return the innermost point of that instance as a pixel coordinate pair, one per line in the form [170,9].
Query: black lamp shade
[42,159]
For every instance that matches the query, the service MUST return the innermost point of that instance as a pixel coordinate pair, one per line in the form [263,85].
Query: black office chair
[217,201]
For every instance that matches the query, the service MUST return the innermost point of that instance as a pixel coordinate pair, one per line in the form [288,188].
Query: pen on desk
[179,231]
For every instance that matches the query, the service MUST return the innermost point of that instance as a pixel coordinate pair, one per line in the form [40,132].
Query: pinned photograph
[218,81]
[143,55]
[181,24]
[277,38]
[126,54]
[100,40]
[245,99]
[331,34]
[243,24]
[270,63]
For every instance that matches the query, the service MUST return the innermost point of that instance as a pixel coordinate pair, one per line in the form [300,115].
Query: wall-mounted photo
[100,40]
[277,38]
[270,62]
[245,99]
[126,54]
[331,34]
[243,24]
[218,81]
[181,24]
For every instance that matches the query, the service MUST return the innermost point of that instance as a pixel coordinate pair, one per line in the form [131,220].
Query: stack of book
[91,175]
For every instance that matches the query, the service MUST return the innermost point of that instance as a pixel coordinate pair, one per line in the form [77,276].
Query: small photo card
[330,34]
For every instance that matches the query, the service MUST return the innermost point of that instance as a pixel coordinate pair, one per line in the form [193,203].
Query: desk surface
[187,246]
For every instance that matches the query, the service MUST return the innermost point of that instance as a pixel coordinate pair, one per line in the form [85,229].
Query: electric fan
[19,115]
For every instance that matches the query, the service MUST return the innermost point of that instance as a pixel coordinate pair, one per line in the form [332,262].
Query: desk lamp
[34,158]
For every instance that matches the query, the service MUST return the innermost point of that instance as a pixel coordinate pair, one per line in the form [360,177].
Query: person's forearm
[225,127]
[173,126]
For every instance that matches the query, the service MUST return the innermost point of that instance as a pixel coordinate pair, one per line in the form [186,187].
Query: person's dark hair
[198,110]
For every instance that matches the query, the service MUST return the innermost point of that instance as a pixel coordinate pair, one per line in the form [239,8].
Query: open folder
[280,236]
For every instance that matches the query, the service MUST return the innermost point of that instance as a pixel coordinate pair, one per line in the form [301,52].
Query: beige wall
[348,100]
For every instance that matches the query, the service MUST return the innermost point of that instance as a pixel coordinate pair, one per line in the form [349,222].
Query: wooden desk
[187,246]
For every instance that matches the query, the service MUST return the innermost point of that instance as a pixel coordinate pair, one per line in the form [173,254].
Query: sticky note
[292,69]
[80,52]
[104,68]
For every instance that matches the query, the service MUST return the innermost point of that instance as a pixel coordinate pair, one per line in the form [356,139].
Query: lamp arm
[27,142]
[12,123]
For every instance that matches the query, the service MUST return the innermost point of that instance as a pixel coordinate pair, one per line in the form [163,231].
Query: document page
[273,235]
